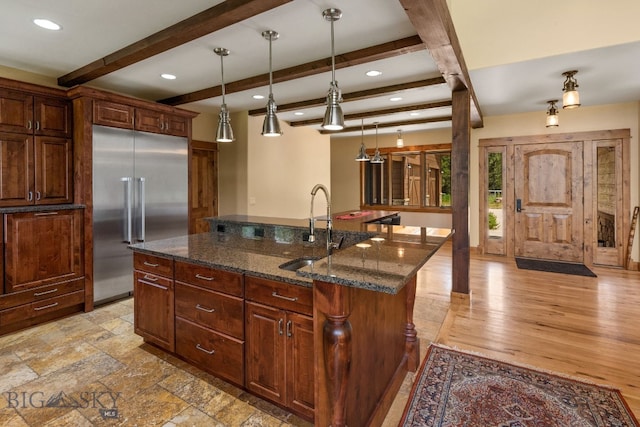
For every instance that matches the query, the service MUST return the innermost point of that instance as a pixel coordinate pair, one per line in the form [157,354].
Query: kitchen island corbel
[361,307]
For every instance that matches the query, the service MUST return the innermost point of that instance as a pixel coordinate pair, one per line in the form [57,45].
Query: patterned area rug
[454,388]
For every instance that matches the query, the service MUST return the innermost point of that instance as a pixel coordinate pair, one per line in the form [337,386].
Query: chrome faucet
[312,221]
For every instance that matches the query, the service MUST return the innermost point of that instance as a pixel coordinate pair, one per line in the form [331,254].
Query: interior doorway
[563,197]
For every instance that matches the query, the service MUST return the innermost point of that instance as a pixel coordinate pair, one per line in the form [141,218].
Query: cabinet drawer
[153,264]
[43,292]
[34,309]
[210,278]
[219,354]
[278,294]
[210,309]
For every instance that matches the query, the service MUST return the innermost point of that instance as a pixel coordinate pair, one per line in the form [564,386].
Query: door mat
[455,388]
[554,267]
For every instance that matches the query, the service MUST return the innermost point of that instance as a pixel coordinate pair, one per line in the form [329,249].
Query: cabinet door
[16,111]
[52,170]
[149,121]
[112,114]
[42,248]
[265,342]
[52,117]
[300,364]
[176,125]
[154,309]
[16,169]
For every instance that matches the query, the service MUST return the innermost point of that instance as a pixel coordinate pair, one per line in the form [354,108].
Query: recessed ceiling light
[45,23]
[168,76]
[395,99]
[373,73]
[298,113]
[258,96]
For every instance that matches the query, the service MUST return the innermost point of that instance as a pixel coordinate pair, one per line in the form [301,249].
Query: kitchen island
[330,339]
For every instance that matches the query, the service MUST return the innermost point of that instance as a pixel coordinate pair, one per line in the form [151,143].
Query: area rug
[554,267]
[455,388]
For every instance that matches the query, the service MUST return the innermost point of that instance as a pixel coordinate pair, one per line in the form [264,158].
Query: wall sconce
[271,126]
[333,117]
[225,132]
[362,156]
[570,96]
[399,140]
[552,114]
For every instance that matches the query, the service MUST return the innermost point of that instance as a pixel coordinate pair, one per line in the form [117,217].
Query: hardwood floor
[578,326]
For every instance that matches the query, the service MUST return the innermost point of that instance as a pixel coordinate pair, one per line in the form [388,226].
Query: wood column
[460,149]
[412,343]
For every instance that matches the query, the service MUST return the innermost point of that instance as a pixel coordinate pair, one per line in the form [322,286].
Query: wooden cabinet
[43,267]
[35,149]
[210,320]
[108,113]
[279,344]
[203,185]
[153,289]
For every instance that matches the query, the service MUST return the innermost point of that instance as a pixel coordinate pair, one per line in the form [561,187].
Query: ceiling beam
[227,13]
[389,125]
[434,25]
[376,113]
[353,96]
[349,59]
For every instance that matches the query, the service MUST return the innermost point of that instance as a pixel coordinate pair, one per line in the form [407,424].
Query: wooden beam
[434,25]
[220,16]
[349,59]
[389,125]
[376,113]
[353,96]
[460,153]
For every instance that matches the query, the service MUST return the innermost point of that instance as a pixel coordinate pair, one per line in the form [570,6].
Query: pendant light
[399,140]
[362,156]
[570,96]
[333,117]
[377,158]
[271,126]
[224,133]
[552,114]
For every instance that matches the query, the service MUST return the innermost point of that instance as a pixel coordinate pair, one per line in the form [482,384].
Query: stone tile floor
[90,369]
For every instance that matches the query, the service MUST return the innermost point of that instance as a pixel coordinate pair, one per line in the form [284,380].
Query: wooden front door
[549,201]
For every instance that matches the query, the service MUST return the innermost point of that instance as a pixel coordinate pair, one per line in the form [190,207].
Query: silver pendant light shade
[271,126]
[224,132]
[377,158]
[333,117]
[362,156]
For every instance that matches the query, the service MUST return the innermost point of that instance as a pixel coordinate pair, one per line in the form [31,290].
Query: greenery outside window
[411,178]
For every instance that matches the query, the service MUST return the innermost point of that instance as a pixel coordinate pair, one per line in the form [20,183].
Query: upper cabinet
[108,113]
[36,150]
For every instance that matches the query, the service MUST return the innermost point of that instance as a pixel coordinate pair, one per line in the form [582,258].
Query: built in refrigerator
[140,187]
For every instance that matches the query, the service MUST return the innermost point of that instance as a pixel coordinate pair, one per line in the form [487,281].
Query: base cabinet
[279,346]
[153,290]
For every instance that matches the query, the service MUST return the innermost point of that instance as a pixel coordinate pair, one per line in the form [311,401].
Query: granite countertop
[40,208]
[377,257]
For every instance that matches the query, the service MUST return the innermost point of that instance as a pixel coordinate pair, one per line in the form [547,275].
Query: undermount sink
[297,263]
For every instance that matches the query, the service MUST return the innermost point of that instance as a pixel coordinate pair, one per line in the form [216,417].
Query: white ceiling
[92,30]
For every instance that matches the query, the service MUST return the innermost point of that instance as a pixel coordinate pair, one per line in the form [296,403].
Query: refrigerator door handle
[141,209]
[126,211]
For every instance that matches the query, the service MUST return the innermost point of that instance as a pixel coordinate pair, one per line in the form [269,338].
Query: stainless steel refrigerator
[139,194]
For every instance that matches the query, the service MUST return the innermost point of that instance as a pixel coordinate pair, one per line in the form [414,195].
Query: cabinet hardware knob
[289,329]
[277,295]
[50,291]
[44,307]
[200,276]
[199,347]
[280,323]
[208,310]
[37,125]
[30,196]
[29,125]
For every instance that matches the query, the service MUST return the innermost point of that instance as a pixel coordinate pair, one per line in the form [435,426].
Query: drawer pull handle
[199,276]
[204,350]
[150,278]
[44,307]
[50,291]
[155,285]
[277,295]
[43,213]
[208,310]
[280,323]
[289,329]
[148,264]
